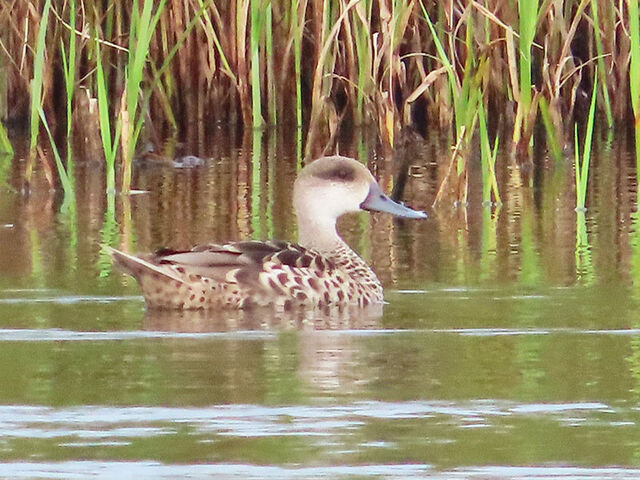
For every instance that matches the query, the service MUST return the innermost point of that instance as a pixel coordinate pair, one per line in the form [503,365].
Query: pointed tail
[138,267]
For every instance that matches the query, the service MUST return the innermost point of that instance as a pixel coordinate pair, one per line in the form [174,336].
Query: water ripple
[54,334]
[151,470]
[256,420]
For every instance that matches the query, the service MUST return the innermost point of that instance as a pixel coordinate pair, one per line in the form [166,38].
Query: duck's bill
[377,201]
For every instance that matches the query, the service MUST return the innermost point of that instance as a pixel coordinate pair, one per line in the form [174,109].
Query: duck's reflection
[324,357]
[202,321]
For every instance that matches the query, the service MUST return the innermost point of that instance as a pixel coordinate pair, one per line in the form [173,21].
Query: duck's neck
[319,234]
[322,236]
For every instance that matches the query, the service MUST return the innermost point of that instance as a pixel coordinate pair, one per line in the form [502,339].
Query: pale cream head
[330,187]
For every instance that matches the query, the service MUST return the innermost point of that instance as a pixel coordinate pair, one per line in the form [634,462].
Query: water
[509,346]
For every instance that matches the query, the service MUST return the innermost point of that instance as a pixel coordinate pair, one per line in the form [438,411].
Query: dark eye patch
[339,174]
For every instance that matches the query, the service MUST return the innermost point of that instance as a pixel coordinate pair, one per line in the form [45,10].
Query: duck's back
[243,274]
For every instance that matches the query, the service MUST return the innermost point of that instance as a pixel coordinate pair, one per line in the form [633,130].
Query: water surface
[509,346]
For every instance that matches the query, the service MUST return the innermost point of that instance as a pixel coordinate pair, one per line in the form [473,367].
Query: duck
[320,270]
[150,155]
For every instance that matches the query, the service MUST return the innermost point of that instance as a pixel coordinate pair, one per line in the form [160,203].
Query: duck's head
[331,186]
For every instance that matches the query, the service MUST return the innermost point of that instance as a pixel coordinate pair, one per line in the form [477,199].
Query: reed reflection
[532,239]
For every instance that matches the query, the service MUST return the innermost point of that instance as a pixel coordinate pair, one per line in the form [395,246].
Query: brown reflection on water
[265,319]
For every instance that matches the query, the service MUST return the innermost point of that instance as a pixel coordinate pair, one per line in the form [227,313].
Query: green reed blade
[586,154]
[453,82]
[69,72]
[5,144]
[364,57]
[203,12]
[143,25]
[270,60]
[550,130]
[109,146]
[528,19]
[297,59]
[577,169]
[582,164]
[361,27]
[487,159]
[157,74]
[485,154]
[634,73]
[5,169]
[320,90]
[634,66]
[138,51]
[601,66]
[69,89]
[468,100]
[65,180]
[494,180]
[254,45]
[36,82]
[200,14]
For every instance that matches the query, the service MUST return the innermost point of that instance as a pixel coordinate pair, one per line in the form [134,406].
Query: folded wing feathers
[261,268]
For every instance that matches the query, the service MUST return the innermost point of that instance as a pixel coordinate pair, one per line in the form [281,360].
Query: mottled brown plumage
[320,271]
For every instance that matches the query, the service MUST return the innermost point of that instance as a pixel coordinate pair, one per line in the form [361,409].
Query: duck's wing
[232,262]
[251,272]
[265,272]
[243,259]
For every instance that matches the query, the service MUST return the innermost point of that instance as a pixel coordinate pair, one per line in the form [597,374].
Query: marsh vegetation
[105,78]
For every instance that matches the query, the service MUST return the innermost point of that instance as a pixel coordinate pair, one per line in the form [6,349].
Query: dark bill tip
[377,201]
